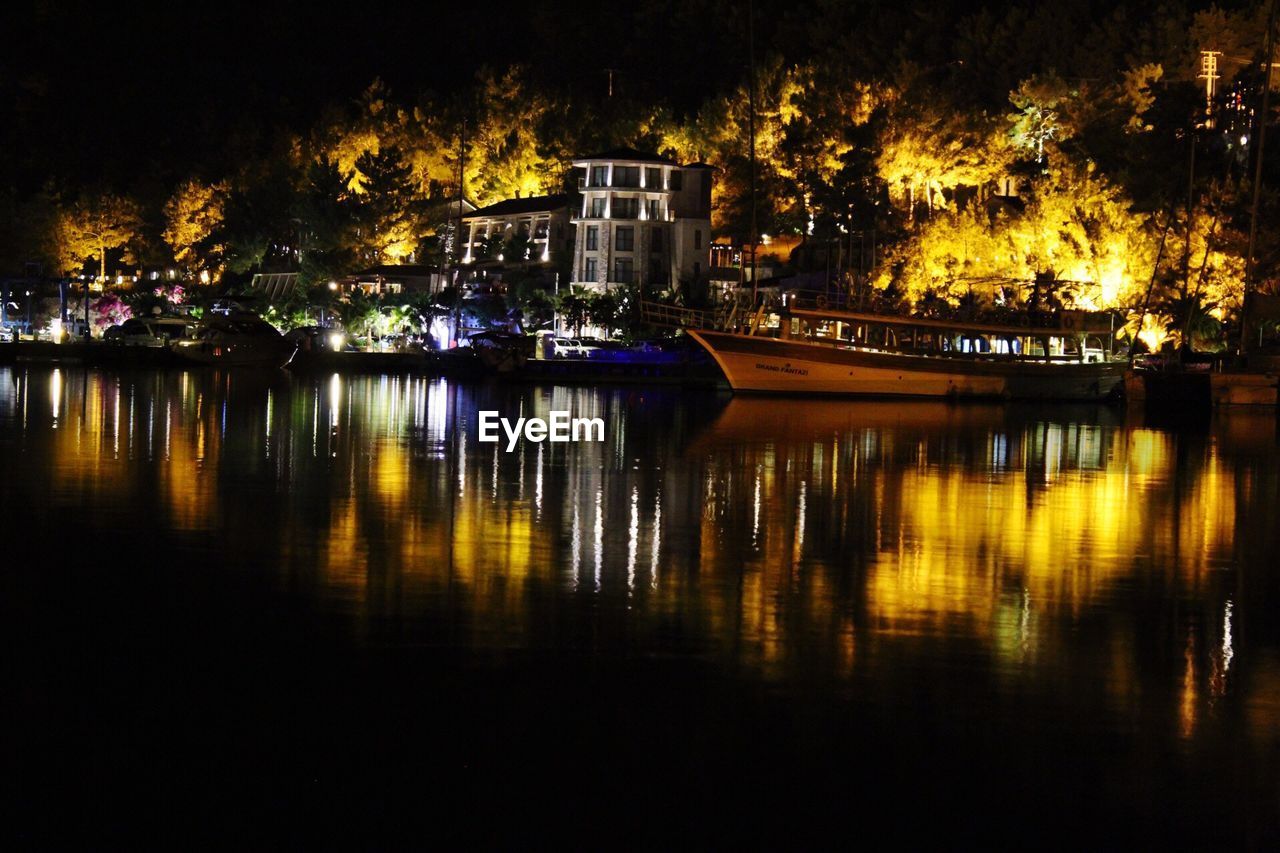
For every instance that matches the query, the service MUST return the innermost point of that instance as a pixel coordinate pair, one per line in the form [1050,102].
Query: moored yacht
[240,339]
[805,348]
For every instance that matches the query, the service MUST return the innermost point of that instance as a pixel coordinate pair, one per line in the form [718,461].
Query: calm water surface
[321,604]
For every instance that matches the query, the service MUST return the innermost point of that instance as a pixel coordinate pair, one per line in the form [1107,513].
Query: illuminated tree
[261,228]
[926,152]
[1136,94]
[328,222]
[94,225]
[1076,227]
[1037,119]
[507,156]
[390,220]
[193,222]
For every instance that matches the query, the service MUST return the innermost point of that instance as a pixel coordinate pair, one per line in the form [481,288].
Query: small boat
[240,339]
[805,348]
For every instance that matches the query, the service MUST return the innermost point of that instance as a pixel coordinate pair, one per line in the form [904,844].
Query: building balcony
[585,184]
[640,217]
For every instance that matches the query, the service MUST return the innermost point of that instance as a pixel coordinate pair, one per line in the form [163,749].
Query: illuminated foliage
[1038,120]
[389,225]
[326,212]
[506,155]
[927,152]
[1136,94]
[109,310]
[193,218]
[91,227]
[1076,226]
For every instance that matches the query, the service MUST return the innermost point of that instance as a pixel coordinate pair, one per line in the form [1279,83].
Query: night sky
[92,92]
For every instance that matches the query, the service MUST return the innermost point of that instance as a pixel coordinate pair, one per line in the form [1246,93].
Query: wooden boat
[814,350]
[239,339]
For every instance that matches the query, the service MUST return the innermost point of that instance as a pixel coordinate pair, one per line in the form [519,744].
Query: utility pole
[1191,218]
[1209,74]
[1249,268]
[611,72]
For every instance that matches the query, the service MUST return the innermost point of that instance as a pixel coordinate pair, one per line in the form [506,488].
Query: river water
[321,604]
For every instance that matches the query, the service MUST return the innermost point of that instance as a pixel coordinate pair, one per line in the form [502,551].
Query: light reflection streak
[633,537]
[599,540]
[55,394]
[801,508]
[1228,651]
[575,546]
[537,483]
[335,400]
[1189,696]
[755,512]
[656,545]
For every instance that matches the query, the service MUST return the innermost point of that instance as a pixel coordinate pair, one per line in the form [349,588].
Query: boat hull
[267,354]
[773,366]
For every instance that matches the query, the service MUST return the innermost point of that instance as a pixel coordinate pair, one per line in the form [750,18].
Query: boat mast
[1250,269]
[751,129]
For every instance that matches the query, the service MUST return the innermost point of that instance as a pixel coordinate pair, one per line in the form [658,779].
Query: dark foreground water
[280,611]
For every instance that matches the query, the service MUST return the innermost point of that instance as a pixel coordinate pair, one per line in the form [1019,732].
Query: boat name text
[786,368]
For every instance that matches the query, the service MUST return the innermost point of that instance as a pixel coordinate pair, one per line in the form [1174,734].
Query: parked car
[149,331]
[573,348]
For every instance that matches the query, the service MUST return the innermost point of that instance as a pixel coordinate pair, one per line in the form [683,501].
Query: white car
[572,348]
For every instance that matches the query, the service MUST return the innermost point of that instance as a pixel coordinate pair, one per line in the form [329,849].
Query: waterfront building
[644,219]
[394,279]
[537,227]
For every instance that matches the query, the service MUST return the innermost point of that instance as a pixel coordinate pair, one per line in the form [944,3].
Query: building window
[626,176]
[697,238]
[653,179]
[599,176]
[541,230]
[589,270]
[626,241]
[651,209]
[676,181]
[622,270]
[655,242]
[597,207]
[625,208]
[593,237]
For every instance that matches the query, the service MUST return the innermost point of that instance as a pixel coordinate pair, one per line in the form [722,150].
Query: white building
[543,222]
[644,219]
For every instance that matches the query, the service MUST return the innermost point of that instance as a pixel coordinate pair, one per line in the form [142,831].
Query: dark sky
[99,91]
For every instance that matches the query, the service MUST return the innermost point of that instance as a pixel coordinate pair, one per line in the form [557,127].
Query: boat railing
[1029,322]
[682,317]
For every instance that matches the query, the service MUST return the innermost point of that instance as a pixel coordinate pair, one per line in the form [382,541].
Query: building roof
[516,206]
[625,154]
[397,270]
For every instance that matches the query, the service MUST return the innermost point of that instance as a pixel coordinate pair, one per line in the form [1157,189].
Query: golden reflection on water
[779,535]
